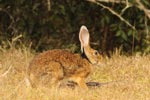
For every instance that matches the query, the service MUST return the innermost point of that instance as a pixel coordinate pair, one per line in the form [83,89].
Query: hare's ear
[84,37]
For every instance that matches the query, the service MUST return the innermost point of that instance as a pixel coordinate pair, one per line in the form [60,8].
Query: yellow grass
[132,76]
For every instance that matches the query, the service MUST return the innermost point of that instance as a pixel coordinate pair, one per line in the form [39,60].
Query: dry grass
[132,76]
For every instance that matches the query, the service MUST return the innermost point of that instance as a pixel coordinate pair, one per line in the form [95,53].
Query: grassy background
[131,73]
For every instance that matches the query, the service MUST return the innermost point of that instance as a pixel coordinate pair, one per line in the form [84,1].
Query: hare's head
[92,55]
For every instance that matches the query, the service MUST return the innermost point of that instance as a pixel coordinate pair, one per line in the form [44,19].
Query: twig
[16,38]
[114,13]
[146,27]
[128,5]
[48,5]
[112,1]
[4,74]
[142,7]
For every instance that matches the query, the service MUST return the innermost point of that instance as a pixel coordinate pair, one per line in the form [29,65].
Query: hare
[49,67]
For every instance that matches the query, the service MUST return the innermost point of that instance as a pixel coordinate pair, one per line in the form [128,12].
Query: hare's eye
[96,53]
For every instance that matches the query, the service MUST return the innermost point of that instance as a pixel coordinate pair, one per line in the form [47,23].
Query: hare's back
[56,55]
[59,56]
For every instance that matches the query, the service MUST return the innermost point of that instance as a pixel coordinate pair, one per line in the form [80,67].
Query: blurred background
[49,24]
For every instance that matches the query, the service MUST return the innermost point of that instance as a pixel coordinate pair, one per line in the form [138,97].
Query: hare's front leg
[80,81]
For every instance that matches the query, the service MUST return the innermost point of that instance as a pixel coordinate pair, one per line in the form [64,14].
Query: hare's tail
[27,81]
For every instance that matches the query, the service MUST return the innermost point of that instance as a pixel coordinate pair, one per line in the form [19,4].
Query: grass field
[127,78]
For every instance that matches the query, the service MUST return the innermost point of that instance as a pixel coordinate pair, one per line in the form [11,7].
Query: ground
[126,78]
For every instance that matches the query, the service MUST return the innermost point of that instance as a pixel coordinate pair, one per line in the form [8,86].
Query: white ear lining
[84,37]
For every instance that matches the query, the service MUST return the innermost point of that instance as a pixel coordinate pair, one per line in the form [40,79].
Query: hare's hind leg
[56,74]
[48,75]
